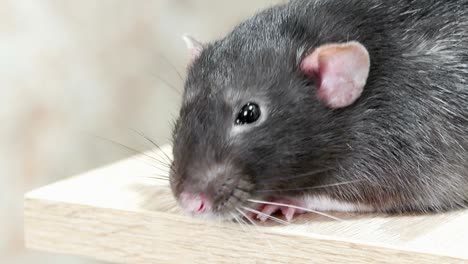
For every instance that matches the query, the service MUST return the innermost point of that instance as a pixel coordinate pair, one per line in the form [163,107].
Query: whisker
[171,65]
[152,142]
[173,87]
[239,221]
[241,191]
[157,177]
[161,159]
[244,227]
[268,216]
[157,160]
[246,217]
[146,162]
[255,227]
[297,207]
[135,151]
[129,148]
[150,163]
[310,173]
[234,217]
[310,188]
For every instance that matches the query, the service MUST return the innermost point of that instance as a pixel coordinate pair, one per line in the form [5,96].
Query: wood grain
[120,214]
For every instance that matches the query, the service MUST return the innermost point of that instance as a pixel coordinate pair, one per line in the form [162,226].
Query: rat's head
[250,121]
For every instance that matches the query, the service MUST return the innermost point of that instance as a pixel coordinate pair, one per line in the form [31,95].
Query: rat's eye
[248,114]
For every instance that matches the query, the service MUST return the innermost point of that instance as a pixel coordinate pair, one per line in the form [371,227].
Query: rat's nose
[194,203]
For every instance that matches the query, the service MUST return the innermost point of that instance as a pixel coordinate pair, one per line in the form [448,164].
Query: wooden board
[120,214]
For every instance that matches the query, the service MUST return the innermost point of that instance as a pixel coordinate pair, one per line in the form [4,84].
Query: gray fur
[405,139]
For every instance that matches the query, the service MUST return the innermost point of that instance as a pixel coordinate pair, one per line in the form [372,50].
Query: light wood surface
[120,214]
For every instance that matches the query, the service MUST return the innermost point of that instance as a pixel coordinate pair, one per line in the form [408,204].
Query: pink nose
[194,203]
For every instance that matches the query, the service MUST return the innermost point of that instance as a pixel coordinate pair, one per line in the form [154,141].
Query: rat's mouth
[233,197]
[223,203]
[234,206]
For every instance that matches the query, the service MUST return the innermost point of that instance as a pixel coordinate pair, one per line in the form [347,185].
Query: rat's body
[401,145]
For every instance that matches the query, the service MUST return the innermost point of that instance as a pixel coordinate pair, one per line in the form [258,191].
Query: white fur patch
[324,203]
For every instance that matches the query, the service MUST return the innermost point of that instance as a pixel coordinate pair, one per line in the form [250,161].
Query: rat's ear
[341,72]
[194,46]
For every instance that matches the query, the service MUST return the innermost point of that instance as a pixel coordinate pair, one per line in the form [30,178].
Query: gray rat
[327,105]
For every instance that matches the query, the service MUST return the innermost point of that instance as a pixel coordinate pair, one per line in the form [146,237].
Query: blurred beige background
[74,71]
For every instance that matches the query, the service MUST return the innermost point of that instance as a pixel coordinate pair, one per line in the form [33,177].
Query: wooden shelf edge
[118,214]
[150,237]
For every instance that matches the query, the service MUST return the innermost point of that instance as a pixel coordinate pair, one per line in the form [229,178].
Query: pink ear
[193,46]
[341,71]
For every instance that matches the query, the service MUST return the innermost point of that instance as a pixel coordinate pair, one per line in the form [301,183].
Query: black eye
[248,114]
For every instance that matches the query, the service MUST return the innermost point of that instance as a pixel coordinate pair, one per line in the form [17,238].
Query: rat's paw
[288,209]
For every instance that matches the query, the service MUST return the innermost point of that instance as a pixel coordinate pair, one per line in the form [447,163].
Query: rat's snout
[194,203]
[213,190]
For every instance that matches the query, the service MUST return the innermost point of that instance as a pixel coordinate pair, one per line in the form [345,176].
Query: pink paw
[287,207]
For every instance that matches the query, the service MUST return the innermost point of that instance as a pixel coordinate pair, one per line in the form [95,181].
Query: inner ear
[340,71]
[194,46]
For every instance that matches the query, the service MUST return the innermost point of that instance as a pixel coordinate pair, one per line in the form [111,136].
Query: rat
[327,105]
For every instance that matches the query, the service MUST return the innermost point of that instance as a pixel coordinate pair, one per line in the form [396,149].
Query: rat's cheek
[176,185]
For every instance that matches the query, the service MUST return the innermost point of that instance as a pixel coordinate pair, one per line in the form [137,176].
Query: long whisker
[235,218]
[174,88]
[150,163]
[135,151]
[171,65]
[152,142]
[310,188]
[157,177]
[158,161]
[268,216]
[240,221]
[308,174]
[246,216]
[255,226]
[244,227]
[297,207]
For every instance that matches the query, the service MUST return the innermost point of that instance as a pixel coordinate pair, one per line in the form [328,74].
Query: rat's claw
[288,212]
[267,211]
